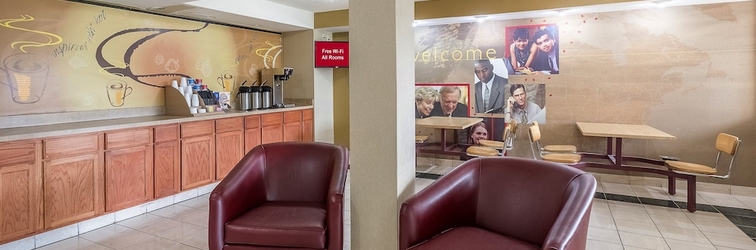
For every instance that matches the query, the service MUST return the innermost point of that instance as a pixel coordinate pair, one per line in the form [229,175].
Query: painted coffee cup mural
[26,77]
[118,90]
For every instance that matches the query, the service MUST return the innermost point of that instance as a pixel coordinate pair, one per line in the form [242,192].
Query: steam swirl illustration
[265,54]
[53,39]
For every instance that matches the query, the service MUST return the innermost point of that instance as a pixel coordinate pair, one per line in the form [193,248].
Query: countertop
[35,132]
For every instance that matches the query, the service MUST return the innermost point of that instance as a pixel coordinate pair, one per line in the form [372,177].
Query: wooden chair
[535,135]
[490,148]
[572,149]
[725,143]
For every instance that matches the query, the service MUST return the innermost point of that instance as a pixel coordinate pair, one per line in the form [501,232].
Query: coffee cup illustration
[227,81]
[118,90]
[26,77]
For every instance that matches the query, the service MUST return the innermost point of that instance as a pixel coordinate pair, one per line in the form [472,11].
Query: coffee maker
[277,76]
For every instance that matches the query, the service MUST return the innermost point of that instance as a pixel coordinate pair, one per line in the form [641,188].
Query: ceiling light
[414,24]
[480,18]
[561,12]
[661,3]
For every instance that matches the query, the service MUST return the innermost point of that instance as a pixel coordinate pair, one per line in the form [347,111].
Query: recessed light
[661,3]
[562,11]
[480,18]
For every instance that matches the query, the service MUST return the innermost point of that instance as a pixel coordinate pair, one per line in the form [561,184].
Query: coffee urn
[267,97]
[245,98]
[256,93]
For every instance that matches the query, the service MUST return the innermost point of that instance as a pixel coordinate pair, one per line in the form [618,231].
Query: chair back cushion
[522,198]
[296,171]
[727,143]
[535,133]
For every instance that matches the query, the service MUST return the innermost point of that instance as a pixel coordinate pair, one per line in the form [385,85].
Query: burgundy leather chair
[500,203]
[285,195]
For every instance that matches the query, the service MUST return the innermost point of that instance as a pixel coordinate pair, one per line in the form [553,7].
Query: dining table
[616,160]
[446,124]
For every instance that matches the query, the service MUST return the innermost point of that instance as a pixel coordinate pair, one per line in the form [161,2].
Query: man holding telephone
[522,109]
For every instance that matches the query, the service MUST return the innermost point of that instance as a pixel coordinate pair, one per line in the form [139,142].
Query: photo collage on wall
[453,78]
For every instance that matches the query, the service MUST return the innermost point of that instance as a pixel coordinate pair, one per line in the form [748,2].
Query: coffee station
[264,96]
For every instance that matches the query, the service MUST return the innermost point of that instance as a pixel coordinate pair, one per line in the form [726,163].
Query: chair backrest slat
[727,143]
[535,133]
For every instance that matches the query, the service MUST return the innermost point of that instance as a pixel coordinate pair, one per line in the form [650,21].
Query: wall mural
[61,57]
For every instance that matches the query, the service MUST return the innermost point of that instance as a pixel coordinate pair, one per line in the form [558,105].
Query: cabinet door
[251,139]
[197,161]
[272,133]
[228,151]
[71,189]
[20,188]
[292,131]
[307,131]
[272,128]
[167,169]
[128,177]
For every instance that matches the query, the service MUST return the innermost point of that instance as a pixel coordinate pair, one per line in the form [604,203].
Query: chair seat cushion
[690,167]
[491,144]
[561,148]
[471,238]
[562,158]
[481,151]
[281,224]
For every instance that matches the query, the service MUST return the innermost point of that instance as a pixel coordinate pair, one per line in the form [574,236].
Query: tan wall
[341,99]
[59,41]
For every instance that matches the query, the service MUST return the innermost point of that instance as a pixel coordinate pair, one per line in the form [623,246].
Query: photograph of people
[449,104]
[546,59]
[425,97]
[478,131]
[490,89]
[521,52]
[523,109]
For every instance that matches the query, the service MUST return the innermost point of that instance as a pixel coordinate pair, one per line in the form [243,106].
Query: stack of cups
[195,100]
[174,84]
[183,82]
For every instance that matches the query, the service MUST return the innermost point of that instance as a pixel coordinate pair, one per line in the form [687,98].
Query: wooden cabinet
[307,126]
[20,189]
[272,128]
[292,126]
[128,168]
[229,142]
[197,154]
[251,132]
[166,162]
[73,179]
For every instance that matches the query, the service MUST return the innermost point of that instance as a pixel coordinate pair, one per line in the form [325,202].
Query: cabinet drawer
[127,138]
[307,114]
[197,128]
[272,119]
[251,122]
[292,116]
[166,133]
[229,124]
[73,145]
[17,153]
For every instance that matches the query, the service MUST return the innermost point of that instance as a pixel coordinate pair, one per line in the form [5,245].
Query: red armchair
[500,203]
[283,195]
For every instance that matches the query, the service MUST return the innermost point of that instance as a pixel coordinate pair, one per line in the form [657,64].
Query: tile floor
[628,213]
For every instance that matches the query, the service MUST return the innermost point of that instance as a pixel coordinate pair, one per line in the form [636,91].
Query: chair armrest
[449,202]
[571,226]
[335,198]
[241,190]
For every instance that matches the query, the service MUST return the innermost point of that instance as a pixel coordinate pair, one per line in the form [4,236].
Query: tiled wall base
[55,235]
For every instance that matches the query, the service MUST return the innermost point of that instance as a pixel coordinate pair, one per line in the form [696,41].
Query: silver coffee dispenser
[277,76]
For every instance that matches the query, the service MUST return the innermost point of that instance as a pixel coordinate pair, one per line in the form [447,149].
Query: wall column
[381,121]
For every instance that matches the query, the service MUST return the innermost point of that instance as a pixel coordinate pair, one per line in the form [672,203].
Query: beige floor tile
[613,178]
[727,202]
[638,228]
[727,248]
[141,221]
[665,212]
[650,192]
[619,205]
[718,226]
[158,243]
[639,216]
[688,235]
[734,241]
[686,245]
[604,235]
[117,236]
[600,245]
[602,222]
[673,222]
[635,248]
[709,216]
[199,241]
[201,202]
[601,211]
[74,243]
[642,241]
[616,188]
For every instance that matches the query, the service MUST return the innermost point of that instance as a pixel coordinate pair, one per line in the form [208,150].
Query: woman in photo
[424,99]
[478,132]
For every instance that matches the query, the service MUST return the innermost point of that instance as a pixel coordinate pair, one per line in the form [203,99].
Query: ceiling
[294,15]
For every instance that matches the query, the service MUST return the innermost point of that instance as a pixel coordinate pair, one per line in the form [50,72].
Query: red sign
[331,54]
